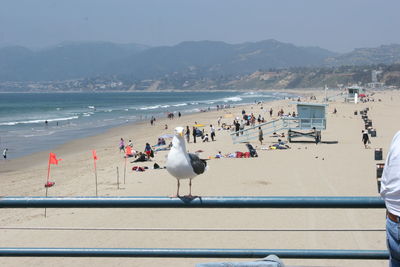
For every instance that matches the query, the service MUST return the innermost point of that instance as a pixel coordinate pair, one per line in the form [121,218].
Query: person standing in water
[5,153]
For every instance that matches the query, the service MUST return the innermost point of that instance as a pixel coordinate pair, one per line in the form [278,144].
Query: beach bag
[152,153]
[138,169]
[239,154]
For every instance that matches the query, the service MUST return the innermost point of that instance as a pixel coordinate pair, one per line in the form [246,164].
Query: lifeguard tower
[309,123]
[353,93]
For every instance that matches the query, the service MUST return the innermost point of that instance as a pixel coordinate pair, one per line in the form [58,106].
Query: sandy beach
[344,168]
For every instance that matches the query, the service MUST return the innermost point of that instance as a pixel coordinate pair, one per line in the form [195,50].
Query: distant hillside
[384,54]
[62,62]
[218,58]
[192,60]
[78,60]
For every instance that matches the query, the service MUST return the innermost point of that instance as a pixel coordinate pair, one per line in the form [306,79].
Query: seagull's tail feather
[206,167]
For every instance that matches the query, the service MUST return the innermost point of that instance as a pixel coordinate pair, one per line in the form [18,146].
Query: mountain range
[203,59]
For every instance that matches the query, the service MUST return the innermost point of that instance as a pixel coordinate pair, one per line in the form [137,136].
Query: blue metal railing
[198,202]
[194,253]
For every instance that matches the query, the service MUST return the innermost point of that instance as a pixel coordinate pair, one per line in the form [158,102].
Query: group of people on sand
[197,133]
[129,152]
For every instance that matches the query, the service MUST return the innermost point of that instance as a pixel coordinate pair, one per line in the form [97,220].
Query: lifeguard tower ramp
[310,121]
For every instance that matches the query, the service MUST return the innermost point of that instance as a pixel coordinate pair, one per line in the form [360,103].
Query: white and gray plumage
[183,165]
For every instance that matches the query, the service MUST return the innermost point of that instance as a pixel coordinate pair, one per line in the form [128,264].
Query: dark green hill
[191,60]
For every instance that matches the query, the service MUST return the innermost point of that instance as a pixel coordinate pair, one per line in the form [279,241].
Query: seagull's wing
[198,165]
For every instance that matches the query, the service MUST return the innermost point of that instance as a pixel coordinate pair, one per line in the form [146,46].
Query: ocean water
[75,115]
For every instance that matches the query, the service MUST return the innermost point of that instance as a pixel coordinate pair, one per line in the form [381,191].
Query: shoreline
[113,130]
[103,129]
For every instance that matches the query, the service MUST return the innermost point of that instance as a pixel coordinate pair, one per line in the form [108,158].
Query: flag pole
[45,210]
[95,175]
[46,187]
[125,170]
[117,178]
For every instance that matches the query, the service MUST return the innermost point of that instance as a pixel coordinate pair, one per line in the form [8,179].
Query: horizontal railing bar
[187,229]
[194,253]
[198,202]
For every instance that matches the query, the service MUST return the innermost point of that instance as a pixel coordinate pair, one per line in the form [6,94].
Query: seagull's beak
[181,134]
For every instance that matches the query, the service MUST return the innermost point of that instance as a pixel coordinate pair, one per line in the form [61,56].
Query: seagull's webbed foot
[174,196]
[190,196]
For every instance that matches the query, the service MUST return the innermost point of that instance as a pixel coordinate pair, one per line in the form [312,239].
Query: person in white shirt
[390,192]
[212,130]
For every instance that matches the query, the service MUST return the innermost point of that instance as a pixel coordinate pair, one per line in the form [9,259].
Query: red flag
[53,159]
[128,151]
[94,155]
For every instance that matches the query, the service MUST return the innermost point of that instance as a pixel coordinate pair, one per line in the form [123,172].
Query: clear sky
[338,25]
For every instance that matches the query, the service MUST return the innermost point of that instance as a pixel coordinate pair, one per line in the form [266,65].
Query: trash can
[355,112]
[379,169]
[373,133]
[378,154]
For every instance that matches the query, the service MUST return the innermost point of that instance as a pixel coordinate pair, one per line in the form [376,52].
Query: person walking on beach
[5,153]
[260,135]
[212,130]
[194,134]
[390,192]
[148,150]
[187,134]
[237,127]
[365,138]
[122,145]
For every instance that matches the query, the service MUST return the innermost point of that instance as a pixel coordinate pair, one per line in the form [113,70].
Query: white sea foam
[150,107]
[180,105]
[39,134]
[11,123]
[232,99]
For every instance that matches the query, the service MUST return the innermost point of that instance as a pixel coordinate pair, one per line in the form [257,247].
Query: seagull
[183,165]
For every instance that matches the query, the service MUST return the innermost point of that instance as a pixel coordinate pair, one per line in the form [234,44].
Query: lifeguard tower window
[353,91]
[311,115]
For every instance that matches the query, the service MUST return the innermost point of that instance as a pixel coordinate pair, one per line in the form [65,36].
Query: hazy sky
[338,25]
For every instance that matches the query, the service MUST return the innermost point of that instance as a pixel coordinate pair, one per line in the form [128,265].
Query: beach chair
[253,152]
